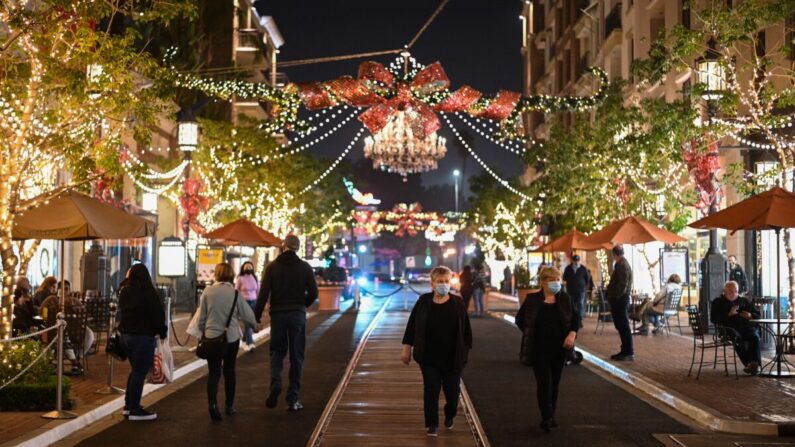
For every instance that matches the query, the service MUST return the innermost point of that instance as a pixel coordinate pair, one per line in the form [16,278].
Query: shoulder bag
[215,347]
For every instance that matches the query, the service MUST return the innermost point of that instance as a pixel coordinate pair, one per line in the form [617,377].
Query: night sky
[477,42]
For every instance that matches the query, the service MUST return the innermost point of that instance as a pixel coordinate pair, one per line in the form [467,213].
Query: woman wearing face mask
[439,333]
[549,329]
[248,286]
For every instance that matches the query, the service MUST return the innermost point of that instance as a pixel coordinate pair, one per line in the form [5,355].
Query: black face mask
[248,272]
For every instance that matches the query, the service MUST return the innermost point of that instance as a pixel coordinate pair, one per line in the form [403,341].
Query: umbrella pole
[63,276]
[779,351]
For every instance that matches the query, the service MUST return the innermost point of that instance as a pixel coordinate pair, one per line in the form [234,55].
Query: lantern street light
[711,74]
[188,141]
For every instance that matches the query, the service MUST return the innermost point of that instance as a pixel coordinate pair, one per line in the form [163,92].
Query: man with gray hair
[288,285]
[730,310]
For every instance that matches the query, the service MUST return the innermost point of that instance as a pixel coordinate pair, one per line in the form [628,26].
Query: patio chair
[723,338]
[75,334]
[603,315]
[98,310]
[671,309]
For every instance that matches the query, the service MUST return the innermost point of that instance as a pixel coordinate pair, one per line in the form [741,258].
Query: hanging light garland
[334,163]
[508,145]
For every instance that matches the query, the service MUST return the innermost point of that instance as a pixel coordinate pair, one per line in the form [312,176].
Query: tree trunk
[26,255]
[650,265]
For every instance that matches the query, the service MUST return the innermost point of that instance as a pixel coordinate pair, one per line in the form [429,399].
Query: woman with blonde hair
[549,328]
[439,334]
[221,311]
[652,309]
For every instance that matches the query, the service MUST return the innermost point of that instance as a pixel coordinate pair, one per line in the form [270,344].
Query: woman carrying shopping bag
[220,314]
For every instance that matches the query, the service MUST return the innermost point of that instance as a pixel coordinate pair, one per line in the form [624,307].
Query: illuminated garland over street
[407,219]
[382,90]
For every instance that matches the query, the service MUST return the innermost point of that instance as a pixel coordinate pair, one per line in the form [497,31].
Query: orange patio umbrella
[573,240]
[244,232]
[771,210]
[631,230]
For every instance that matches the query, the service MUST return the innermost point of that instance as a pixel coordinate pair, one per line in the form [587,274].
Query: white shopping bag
[193,327]
[162,370]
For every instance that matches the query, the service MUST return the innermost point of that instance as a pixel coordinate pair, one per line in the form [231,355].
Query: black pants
[434,380]
[288,330]
[748,345]
[227,362]
[548,367]
[619,309]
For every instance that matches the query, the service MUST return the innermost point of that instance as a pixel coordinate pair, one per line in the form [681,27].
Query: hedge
[33,396]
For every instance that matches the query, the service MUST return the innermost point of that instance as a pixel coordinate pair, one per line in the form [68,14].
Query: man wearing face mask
[440,336]
[732,311]
[578,281]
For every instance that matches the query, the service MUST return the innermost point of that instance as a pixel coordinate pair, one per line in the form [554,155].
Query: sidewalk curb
[701,414]
[61,430]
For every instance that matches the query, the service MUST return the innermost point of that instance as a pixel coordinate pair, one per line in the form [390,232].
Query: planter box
[522,292]
[329,298]
[485,302]
[33,396]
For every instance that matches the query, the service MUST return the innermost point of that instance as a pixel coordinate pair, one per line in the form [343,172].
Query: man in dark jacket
[578,282]
[288,285]
[737,274]
[618,295]
[732,311]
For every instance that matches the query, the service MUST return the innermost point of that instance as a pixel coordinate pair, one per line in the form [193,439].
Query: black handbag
[115,347]
[215,347]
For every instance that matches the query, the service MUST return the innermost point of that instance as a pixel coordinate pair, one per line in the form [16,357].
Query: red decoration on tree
[703,167]
[407,221]
[193,203]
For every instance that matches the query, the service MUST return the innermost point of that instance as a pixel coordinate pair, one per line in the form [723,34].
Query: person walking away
[220,303]
[478,289]
[578,282]
[732,311]
[141,319]
[465,279]
[289,287]
[737,274]
[618,296]
[439,337]
[652,309]
[549,328]
[248,286]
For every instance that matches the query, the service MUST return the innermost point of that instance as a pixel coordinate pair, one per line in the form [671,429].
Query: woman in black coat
[549,327]
[441,337]
[466,281]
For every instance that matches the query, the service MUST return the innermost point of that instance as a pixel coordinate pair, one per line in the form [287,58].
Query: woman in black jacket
[141,319]
[439,332]
[549,328]
[465,279]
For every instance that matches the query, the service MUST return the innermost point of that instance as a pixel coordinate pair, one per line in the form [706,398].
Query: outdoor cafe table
[775,365]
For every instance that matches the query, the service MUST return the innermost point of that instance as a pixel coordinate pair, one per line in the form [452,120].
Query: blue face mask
[554,286]
[442,289]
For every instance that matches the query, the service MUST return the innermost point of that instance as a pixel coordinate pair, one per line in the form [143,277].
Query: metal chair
[98,312]
[75,334]
[603,315]
[671,309]
[724,337]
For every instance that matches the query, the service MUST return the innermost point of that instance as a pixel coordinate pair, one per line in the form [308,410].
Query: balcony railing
[613,20]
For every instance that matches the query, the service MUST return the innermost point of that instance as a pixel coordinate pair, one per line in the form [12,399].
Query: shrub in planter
[35,389]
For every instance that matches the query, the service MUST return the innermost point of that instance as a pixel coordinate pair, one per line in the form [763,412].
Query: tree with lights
[73,89]
[748,50]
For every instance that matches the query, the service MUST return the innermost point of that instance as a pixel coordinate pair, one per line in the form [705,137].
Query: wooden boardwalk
[382,402]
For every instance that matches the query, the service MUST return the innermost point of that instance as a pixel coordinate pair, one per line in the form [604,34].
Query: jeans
[477,294]
[248,333]
[748,345]
[141,351]
[578,304]
[619,309]
[548,367]
[434,380]
[288,329]
[214,365]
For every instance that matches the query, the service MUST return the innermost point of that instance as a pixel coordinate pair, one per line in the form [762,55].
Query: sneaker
[449,423]
[142,415]
[625,358]
[245,347]
[432,432]
[125,412]
[251,347]
[752,368]
[273,398]
[295,406]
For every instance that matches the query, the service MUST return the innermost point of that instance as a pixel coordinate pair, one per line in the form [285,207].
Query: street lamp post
[713,266]
[456,176]
[187,140]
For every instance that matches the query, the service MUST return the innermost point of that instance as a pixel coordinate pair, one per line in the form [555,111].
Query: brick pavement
[84,398]
[665,359]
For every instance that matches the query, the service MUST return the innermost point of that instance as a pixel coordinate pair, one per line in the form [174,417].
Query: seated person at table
[24,311]
[49,311]
[654,308]
[732,311]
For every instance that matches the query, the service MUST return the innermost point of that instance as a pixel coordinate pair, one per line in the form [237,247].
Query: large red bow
[375,82]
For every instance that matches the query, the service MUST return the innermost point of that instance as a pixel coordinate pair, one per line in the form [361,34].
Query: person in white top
[654,308]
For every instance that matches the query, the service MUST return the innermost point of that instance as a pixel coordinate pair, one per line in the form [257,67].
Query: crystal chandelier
[395,149]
